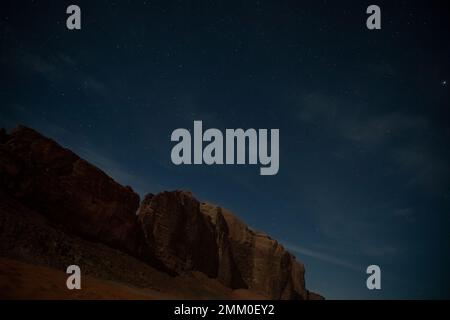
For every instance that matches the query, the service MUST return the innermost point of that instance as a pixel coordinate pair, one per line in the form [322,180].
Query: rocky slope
[57,209]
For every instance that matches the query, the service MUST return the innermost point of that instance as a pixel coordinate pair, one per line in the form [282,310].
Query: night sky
[363,116]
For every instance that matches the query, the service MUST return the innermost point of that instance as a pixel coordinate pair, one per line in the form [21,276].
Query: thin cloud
[323,257]
[379,251]
[115,170]
[45,68]
[407,214]
[369,129]
[54,68]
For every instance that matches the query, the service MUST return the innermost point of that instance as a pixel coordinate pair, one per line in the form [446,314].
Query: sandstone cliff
[68,190]
[184,239]
[58,209]
[265,266]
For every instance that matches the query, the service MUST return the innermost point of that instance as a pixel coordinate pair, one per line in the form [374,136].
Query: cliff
[57,209]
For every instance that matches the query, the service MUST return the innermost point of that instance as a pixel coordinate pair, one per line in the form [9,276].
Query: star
[444,83]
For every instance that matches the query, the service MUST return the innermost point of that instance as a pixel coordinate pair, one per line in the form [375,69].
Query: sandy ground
[19,280]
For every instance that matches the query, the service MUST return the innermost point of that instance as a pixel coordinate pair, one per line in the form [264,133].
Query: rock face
[188,236]
[28,237]
[184,239]
[171,231]
[228,271]
[68,190]
[264,265]
[178,233]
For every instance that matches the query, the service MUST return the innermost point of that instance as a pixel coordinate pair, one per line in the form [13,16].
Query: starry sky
[363,116]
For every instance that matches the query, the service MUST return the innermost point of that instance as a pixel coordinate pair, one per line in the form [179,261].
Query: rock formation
[185,239]
[172,231]
[178,234]
[68,190]
[265,266]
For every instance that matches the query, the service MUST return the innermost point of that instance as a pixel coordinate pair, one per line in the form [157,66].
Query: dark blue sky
[363,116]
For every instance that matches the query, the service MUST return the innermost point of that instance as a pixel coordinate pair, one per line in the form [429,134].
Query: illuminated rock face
[264,265]
[186,235]
[172,231]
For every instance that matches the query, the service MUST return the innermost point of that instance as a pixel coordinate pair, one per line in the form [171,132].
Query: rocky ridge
[172,232]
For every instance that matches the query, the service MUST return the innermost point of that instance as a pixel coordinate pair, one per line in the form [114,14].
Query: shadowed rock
[68,190]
